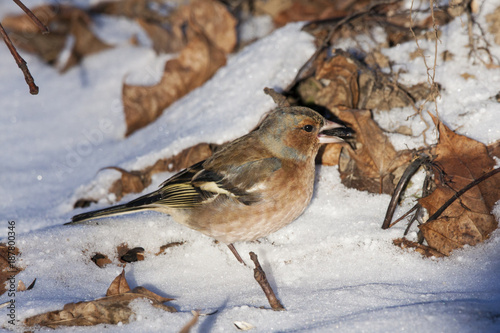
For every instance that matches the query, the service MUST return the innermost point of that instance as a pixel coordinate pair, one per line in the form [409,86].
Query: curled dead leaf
[374,165]
[212,35]
[112,309]
[343,82]
[119,285]
[467,221]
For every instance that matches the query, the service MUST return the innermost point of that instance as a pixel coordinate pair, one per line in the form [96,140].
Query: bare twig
[20,62]
[260,277]
[43,28]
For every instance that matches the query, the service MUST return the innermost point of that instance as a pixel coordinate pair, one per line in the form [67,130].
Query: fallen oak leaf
[374,165]
[467,220]
[212,35]
[130,181]
[111,309]
[197,62]
[119,285]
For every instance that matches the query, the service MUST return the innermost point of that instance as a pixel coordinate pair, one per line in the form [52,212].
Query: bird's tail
[106,212]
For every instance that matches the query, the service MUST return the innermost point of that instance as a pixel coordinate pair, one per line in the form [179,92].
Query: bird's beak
[332,132]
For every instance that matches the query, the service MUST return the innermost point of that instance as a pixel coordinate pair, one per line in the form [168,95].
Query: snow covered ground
[334,269]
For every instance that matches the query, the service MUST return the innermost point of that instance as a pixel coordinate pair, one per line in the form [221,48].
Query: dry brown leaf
[111,309]
[119,285]
[129,182]
[374,166]
[212,36]
[62,21]
[341,81]
[468,220]
[101,260]
[197,62]
[8,268]
[340,74]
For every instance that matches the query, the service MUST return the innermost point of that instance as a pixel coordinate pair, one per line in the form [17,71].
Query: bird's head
[297,132]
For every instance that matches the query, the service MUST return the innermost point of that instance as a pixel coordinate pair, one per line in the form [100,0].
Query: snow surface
[334,269]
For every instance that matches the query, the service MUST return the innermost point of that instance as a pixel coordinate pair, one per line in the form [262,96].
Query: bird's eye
[308,128]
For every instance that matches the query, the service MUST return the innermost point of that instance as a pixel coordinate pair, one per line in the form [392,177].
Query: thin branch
[260,277]
[43,28]
[20,62]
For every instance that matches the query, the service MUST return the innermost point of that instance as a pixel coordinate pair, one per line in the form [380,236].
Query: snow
[334,268]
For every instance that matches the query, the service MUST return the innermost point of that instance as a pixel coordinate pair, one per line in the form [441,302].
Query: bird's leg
[236,254]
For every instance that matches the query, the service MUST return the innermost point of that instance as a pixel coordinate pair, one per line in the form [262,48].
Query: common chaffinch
[249,187]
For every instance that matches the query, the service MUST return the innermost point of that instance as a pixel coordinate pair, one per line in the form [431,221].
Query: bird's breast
[283,197]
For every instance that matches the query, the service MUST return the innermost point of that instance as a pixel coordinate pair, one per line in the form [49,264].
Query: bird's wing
[175,192]
[195,185]
[241,182]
